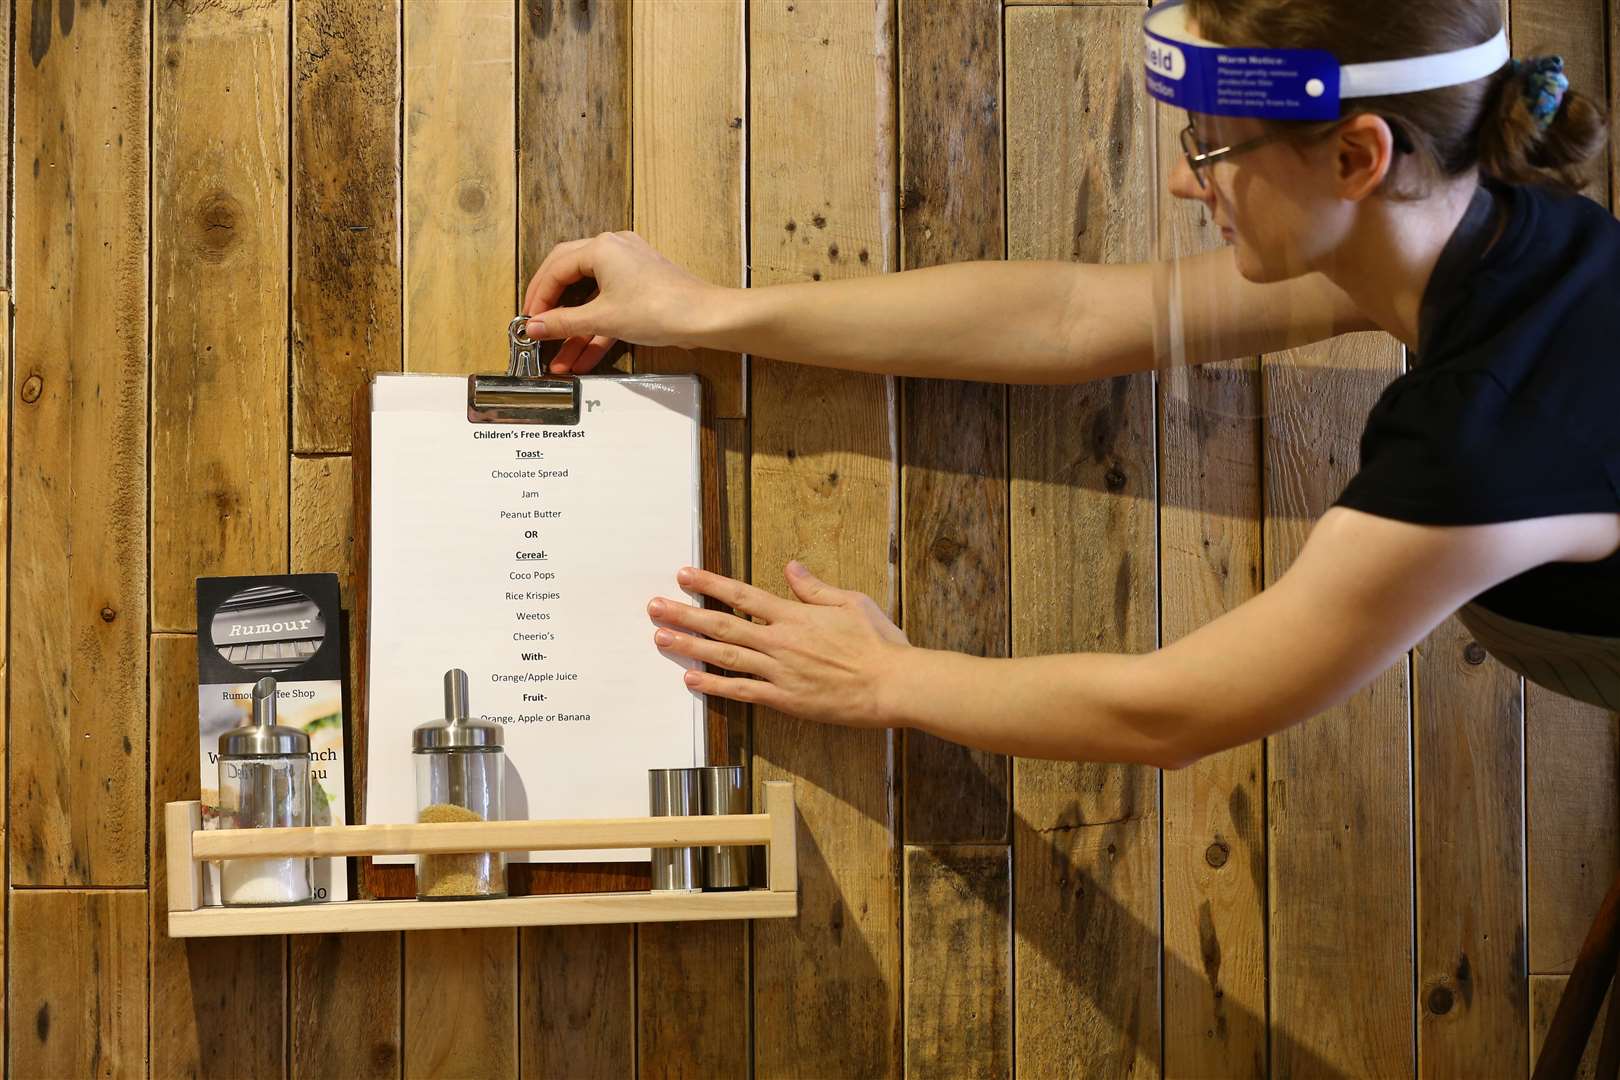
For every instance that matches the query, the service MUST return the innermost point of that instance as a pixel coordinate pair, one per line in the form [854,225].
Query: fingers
[567,263]
[751,690]
[734,594]
[730,657]
[571,322]
[809,588]
[711,624]
[593,353]
[567,357]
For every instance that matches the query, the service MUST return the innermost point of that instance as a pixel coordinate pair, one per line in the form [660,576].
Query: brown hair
[1485,123]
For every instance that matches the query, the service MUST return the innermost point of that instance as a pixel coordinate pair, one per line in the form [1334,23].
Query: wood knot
[108,614]
[217,217]
[1114,478]
[471,197]
[1441,1000]
[1216,854]
[945,550]
[32,387]
[1474,653]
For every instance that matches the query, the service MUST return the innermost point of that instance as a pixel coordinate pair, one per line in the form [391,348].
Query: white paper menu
[525,554]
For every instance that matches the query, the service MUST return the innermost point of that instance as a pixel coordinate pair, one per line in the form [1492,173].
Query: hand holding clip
[641,297]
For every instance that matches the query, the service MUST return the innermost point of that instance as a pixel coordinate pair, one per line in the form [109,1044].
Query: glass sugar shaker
[459,772]
[264,784]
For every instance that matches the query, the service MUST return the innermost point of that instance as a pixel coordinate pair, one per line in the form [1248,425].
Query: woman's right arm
[1015,322]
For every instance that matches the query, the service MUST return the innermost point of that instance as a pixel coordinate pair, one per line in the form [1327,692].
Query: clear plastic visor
[1250,216]
[1243,252]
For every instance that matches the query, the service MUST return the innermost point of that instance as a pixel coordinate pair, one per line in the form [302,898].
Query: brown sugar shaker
[460,766]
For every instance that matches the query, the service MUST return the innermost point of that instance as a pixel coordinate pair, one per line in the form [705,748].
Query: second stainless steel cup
[725,792]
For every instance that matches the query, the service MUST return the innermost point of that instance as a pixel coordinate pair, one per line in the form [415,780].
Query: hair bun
[1535,131]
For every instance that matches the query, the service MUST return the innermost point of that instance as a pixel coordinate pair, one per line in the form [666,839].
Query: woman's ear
[1364,149]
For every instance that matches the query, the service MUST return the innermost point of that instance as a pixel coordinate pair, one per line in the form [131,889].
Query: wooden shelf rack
[189,846]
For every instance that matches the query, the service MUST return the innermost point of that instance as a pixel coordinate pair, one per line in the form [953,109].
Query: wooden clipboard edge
[724,502]
[727,722]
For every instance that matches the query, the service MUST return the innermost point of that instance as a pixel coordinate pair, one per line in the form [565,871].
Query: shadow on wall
[1094,911]
[1098,438]
[1091,911]
[800,1024]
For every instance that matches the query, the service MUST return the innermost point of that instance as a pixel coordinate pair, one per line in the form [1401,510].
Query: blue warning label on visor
[1268,84]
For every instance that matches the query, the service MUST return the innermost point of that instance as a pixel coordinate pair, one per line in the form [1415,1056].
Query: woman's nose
[1184,185]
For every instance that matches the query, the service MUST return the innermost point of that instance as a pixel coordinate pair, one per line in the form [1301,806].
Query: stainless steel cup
[676,793]
[725,792]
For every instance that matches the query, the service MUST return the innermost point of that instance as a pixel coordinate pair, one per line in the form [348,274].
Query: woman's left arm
[1363,591]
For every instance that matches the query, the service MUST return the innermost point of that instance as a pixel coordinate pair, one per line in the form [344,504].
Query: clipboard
[567,501]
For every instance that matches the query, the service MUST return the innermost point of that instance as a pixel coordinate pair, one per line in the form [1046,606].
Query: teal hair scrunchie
[1544,85]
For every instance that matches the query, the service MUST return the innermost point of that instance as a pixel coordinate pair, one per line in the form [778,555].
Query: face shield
[1248,216]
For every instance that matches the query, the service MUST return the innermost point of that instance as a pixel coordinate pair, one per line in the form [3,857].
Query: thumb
[809,588]
[560,323]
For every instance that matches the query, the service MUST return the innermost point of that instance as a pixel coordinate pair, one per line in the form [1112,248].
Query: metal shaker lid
[457,729]
[263,737]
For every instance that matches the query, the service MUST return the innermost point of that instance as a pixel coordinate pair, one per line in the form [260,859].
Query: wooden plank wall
[223,217]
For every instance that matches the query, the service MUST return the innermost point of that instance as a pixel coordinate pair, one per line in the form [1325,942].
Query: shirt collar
[1457,261]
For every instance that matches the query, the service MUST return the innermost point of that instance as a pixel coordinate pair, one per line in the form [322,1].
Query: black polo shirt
[1512,409]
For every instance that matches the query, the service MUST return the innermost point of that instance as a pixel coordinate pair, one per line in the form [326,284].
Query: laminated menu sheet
[525,554]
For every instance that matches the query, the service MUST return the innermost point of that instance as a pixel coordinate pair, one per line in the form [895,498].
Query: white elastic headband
[1419,73]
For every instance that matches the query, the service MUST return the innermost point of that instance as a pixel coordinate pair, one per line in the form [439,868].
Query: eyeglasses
[1198,156]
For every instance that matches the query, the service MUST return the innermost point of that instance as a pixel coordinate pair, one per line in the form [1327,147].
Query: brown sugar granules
[459,876]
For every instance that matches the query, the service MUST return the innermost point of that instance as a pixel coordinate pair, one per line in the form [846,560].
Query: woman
[1490,473]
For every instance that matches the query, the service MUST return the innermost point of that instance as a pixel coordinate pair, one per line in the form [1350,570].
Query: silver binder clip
[525,394]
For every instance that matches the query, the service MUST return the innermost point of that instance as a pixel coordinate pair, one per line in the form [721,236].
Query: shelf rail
[189,847]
